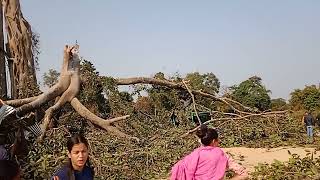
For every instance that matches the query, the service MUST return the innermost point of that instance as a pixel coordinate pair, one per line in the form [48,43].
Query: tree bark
[20,45]
[3,79]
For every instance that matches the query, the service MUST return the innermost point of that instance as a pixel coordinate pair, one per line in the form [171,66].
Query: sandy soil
[250,157]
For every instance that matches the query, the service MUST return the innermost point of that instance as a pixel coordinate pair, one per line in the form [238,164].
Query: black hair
[207,135]
[2,139]
[8,169]
[77,139]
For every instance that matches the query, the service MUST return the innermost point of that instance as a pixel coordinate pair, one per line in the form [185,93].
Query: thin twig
[193,101]
[230,118]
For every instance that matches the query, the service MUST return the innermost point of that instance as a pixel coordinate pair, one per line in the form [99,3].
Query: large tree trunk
[3,79]
[20,45]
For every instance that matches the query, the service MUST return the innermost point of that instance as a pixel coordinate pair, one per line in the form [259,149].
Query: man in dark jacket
[309,122]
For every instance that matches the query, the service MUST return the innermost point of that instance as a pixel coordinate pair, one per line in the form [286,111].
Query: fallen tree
[68,86]
[65,91]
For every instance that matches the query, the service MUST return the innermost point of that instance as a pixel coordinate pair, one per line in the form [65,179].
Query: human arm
[302,119]
[240,171]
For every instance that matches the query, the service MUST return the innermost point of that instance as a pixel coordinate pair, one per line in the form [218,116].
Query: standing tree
[20,48]
[252,93]
[207,82]
[278,104]
[3,79]
[162,97]
[50,78]
[305,99]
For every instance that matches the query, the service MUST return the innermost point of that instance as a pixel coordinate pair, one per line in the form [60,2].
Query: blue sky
[276,40]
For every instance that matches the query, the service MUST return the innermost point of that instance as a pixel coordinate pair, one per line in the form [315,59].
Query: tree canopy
[307,98]
[252,93]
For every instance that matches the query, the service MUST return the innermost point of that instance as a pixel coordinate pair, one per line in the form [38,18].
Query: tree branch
[113,120]
[179,86]
[20,102]
[103,123]
[235,118]
[193,102]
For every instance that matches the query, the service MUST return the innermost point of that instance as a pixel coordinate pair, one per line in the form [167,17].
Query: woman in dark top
[78,167]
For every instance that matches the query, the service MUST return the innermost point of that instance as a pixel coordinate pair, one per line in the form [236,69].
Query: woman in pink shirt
[208,162]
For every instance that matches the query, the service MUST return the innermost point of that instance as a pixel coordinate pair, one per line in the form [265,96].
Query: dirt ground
[250,157]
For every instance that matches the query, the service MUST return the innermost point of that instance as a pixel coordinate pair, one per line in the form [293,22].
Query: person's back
[308,120]
[207,162]
[309,123]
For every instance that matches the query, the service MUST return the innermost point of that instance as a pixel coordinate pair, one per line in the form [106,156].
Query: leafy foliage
[115,158]
[50,78]
[278,104]
[307,98]
[92,88]
[163,98]
[252,93]
[207,82]
[160,146]
[295,168]
[35,38]
[144,104]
